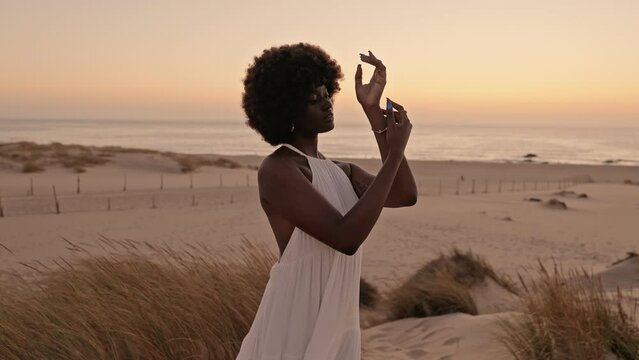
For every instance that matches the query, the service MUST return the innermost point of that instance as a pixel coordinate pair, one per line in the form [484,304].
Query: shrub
[166,304]
[629,255]
[570,317]
[30,167]
[227,163]
[368,294]
[191,163]
[442,286]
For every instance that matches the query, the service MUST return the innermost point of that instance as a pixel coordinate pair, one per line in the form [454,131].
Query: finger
[404,116]
[390,116]
[397,106]
[372,60]
[377,63]
[399,119]
[358,76]
[376,60]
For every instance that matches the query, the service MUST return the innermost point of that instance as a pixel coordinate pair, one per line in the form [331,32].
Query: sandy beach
[495,219]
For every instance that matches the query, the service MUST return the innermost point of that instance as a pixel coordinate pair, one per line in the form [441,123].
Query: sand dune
[591,235]
[454,336]
[624,275]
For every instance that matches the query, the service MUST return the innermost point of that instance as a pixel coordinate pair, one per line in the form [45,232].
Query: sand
[495,221]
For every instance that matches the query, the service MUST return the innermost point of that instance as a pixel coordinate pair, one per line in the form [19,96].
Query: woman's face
[319,113]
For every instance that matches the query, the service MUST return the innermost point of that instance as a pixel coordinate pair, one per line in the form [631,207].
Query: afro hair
[278,85]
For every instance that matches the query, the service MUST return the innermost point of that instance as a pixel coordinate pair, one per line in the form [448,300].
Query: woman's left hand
[369,95]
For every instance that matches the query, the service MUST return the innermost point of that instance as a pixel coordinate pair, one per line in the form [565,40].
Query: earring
[292,127]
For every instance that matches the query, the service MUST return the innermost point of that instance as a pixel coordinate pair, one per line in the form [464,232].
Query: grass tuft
[368,294]
[570,317]
[629,255]
[442,286]
[30,167]
[141,301]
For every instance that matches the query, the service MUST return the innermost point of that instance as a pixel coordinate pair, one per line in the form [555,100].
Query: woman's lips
[329,117]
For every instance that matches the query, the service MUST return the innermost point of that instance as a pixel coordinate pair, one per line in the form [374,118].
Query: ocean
[570,145]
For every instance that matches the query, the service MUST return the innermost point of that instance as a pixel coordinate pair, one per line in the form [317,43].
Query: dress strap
[295,149]
[300,152]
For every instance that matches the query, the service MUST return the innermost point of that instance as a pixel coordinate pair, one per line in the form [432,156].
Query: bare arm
[404,190]
[286,192]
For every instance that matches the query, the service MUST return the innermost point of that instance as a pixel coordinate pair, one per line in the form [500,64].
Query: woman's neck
[306,144]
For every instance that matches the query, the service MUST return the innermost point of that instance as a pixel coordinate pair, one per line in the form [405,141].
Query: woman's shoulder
[278,160]
[283,161]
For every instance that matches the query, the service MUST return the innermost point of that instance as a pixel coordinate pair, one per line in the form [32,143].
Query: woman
[320,210]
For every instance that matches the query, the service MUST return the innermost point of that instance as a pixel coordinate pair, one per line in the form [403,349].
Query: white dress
[310,306]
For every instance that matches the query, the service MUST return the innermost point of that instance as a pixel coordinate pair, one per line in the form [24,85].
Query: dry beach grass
[32,157]
[143,301]
[442,286]
[570,316]
[139,302]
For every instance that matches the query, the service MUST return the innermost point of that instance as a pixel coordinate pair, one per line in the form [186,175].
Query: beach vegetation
[35,157]
[126,299]
[629,255]
[30,167]
[571,316]
[188,163]
[140,301]
[556,204]
[368,294]
[227,163]
[442,286]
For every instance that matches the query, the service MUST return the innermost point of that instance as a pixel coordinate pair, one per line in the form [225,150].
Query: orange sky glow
[504,62]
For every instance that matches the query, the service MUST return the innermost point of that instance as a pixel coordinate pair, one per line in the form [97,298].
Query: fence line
[149,198]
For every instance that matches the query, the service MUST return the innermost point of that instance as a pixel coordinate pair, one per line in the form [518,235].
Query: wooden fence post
[247,180]
[161,181]
[77,190]
[472,191]
[55,198]
[124,186]
[1,210]
[31,187]
[153,202]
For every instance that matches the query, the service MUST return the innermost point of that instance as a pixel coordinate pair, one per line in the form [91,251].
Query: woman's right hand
[398,128]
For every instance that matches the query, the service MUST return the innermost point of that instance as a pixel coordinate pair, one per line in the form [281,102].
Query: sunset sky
[505,62]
